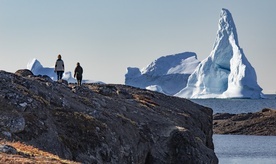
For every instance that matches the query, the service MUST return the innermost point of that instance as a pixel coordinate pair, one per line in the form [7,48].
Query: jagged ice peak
[226,28]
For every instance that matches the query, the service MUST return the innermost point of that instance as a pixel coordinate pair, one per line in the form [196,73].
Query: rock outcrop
[258,123]
[98,123]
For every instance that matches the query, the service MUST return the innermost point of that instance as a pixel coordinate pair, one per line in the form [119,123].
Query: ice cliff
[226,72]
[168,74]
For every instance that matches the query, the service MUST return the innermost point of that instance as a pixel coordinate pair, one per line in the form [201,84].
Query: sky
[108,36]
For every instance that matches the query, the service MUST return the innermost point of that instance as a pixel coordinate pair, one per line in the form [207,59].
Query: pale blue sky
[106,37]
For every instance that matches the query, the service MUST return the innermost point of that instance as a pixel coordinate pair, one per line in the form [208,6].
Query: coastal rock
[7,149]
[24,72]
[258,123]
[100,123]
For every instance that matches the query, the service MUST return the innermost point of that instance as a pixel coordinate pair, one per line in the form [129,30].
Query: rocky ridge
[100,123]
[258,123]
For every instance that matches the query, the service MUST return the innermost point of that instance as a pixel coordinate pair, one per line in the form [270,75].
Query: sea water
[242,149]
[238,105]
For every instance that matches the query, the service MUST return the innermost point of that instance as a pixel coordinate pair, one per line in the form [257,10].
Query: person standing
[59,67]
[78,73]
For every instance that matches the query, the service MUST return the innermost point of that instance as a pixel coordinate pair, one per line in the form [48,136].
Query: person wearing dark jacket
[78,73]
[59,67]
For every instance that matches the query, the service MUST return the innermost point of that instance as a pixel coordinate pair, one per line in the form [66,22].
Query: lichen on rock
[104,123]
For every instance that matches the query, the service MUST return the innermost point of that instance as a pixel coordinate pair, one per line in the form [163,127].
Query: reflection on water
[240,149]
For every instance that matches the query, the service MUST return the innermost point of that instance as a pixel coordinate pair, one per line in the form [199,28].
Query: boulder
[104,123]
[24,72]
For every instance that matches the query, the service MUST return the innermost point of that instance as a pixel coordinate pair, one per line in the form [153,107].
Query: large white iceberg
[168,74]
[226,72]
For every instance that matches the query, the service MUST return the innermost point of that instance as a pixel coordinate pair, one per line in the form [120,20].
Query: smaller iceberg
[167,74]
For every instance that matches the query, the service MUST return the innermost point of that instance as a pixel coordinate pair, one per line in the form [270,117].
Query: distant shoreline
[236,106]
[258,123]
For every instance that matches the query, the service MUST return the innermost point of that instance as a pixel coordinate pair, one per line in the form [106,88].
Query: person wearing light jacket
[59,67]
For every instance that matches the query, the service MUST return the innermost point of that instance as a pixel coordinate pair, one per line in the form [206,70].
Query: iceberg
[167,74]
[226,72]
[37,69]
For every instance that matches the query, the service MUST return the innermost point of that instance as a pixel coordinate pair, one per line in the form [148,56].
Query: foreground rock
[259,123]
[103,123]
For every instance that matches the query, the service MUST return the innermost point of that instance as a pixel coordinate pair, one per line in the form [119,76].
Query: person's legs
[59,75]
[79,78]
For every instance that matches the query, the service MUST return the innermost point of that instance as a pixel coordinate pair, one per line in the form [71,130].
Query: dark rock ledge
[98,123]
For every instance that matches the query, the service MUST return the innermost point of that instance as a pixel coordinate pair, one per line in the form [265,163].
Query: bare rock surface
[258,123]
[104,123]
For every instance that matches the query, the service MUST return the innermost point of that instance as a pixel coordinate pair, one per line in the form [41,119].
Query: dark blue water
[238,105]
[243,149]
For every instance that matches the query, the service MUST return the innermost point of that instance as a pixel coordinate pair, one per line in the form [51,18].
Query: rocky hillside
[258,123]
[98,123]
